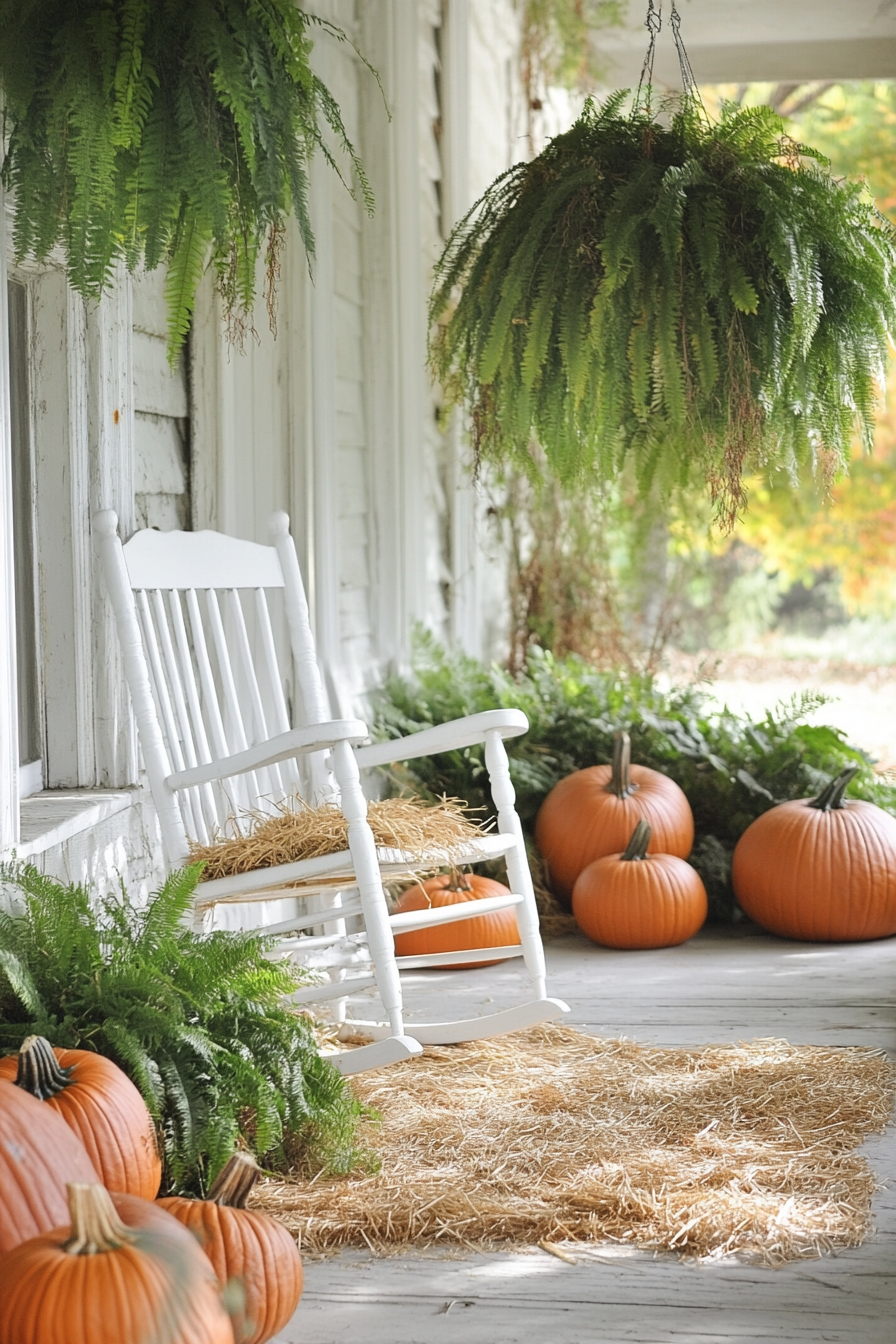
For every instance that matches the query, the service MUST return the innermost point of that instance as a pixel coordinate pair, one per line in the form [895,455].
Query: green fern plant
[731,767]
[196,1020]
[175,131]
[701,297]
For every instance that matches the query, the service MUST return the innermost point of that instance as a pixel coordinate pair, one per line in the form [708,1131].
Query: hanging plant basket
[701,297]
[175,132]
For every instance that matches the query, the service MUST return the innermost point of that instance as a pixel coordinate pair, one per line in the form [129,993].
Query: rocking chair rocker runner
[216,739]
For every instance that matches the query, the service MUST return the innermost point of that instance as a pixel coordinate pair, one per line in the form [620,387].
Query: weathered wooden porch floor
[717,988]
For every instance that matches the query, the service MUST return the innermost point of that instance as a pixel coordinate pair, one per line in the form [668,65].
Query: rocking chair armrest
[453,736]
[297,742]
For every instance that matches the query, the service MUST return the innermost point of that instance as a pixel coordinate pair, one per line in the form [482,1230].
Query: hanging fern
[170,131]
[700,297]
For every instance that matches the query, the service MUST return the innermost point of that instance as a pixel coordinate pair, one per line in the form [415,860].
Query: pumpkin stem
[637,846]
[459,880]
[96,1226]
[831,797]
[233,1184]
[39,1070]
[620,779]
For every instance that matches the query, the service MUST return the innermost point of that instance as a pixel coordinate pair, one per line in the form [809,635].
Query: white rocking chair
[216,739]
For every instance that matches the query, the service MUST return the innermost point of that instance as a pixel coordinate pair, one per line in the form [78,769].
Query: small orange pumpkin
[499,929]
[637,899]
[39,1154]
[101,1104]
[822,869]
[591,813]
[247,1246]
[102,1280]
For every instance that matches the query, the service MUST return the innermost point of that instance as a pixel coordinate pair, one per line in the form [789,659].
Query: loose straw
[552,1136]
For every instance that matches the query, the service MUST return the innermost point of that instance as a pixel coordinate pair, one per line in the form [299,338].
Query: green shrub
[196,1020]
[731,767]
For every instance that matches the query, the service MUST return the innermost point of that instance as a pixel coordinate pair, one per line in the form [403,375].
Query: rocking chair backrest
[201,659]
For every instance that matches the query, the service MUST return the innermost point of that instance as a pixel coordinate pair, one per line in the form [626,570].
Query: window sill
[53,816]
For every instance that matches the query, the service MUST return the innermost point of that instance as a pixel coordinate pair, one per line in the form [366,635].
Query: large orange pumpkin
[101,1105]
[39,1154]
[247,1246]
[637,899]
[499,929]
[822,869]
[592,812]
[103,1280]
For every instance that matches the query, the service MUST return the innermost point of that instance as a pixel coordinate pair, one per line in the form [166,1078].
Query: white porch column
[463,503]
[111,486]
[9,724]
[395,322]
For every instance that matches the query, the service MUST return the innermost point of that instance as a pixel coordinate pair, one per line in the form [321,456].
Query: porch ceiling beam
[748,62]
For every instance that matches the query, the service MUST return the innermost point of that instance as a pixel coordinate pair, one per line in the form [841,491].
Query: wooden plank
[157,388]
[159,458]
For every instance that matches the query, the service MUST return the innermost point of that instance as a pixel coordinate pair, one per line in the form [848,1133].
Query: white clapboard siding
[161,406]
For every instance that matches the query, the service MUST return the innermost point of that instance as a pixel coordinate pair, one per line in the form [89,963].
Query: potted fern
[699,297]
[197,1021]
[176,133]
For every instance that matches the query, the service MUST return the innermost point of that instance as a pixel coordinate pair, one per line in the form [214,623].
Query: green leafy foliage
[731,768]
[196,1020]
[700,298]
[164,130]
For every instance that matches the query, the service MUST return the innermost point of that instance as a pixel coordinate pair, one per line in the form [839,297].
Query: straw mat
[552,1136]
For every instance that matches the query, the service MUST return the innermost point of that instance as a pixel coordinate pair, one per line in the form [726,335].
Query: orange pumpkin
[103,1280]
[592,812]
[637,899]
[247,1246]
[39,1154]
[822,869]
[101,1105]
[499,929]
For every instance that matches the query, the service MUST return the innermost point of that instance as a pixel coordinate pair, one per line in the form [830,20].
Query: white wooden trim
[31,779]
[433,960]
[59,391]
[452,736]
[205,412]
[296,742]
[408,920]
[472,1028]
[155,756]
[113,751]
[324,521]
[316,874]
[411,373]
[380,261]
[199,560]
[9,725]
[52,817]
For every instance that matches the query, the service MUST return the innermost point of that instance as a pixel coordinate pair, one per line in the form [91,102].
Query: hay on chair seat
[296,831]
[551,1135]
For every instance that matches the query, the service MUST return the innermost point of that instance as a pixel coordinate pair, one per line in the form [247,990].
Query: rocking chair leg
[504,798]
[370,887]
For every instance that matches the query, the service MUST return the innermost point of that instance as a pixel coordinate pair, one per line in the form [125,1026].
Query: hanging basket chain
[653,23]
[689,83]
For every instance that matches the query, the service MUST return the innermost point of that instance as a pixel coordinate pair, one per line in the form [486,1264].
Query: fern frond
[197,1021]
[178,133]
